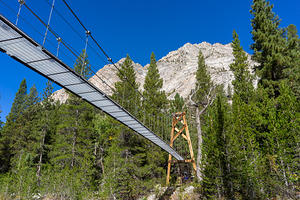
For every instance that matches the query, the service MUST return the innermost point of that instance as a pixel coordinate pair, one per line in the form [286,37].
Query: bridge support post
[180,118]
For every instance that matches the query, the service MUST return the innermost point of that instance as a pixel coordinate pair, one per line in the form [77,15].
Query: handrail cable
[99,46]
[63,42]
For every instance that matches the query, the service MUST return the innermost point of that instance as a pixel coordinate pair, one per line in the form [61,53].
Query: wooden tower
[180,128]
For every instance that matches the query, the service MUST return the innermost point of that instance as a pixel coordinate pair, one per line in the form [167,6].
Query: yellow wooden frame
[180,118]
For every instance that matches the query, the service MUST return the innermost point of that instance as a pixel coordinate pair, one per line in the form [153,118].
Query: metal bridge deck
[25,50]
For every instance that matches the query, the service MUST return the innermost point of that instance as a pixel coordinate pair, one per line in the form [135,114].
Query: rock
[184,193]
[177,69]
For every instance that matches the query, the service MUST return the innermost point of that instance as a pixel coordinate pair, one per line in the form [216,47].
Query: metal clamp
[21,2]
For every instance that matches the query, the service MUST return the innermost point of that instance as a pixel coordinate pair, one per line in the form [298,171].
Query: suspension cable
[62,41]
[52,44]
[58,45]
[49,19]
[98,45]
[21,2]
[48,28]
[87,33]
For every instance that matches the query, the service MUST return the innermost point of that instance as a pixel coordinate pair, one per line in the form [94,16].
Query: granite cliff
[177,69]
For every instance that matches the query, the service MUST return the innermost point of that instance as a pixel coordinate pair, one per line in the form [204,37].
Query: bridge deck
[25,50]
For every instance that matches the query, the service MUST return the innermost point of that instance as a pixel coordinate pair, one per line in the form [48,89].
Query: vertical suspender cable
[21,2]
[101,49]
[87,33]
[49,19]
[58,45]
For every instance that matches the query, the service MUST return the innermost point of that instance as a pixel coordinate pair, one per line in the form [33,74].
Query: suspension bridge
[24,49]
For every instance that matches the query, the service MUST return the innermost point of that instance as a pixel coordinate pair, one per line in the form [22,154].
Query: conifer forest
[245,140]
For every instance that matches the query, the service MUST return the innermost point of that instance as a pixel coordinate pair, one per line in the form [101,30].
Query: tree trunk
[38,173]
[74,139]
[73,149]
[283,168]
[199,134]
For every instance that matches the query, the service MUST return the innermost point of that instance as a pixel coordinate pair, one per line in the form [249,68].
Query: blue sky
[136,27]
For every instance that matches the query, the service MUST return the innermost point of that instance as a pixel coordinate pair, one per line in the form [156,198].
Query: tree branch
[193,103]
[210,100]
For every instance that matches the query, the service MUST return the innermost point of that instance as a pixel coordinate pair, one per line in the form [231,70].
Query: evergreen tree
[73,141]
[285,124]
[278,59]
[217,150]
[243,86]
[73,145]
[19,103]
[244,155]
[46,126]
[9,129]
[155,104]
[32,97]
[293,52]
[201,98]
[269,45]
[2,156]
[23,138]
[126,90]
[222,144]
[1,124]
[128,161]
[177,104]
[155,100]
[82,65]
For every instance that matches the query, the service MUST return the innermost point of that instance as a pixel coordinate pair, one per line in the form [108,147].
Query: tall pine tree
[269,45]
[155,100]
[201,98]
[127,160]
[244,146]
[126,89]
[293,51]
[10,128]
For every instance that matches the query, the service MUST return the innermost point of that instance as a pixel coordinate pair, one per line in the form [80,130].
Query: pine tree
[222,145]
[46,125]
[9,129]
[285,124]
[155,108]
[1,123]
[243,86]
[126,90]
[177,104]
[243,143]
[155,100]
[82,65]
[293,52]
[217,150]
[201,98]
[74,135]
[32,97]
[2,156]
[278,58]
[127,159]
[73,141]
[19,103]
[23,140]
[269,45]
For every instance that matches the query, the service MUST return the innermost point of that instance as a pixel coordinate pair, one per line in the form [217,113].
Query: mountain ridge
[177,69]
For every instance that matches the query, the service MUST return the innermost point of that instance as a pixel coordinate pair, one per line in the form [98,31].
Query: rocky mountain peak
[177,69]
